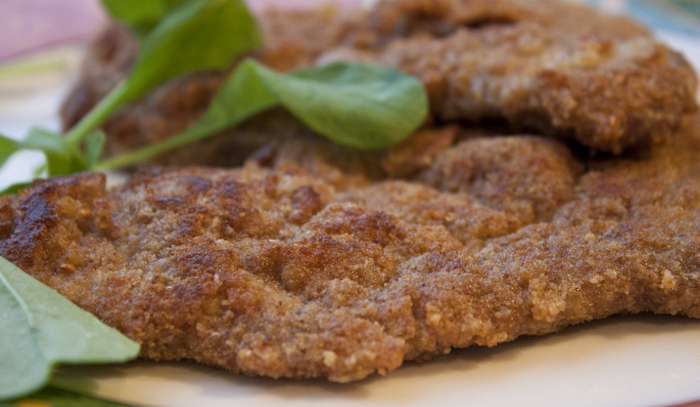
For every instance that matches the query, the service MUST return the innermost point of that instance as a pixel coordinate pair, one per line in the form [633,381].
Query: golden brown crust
[275,273]
[524,175]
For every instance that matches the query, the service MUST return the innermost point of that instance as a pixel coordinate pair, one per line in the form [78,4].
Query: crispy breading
[275,273]
[525,175]
[555,68]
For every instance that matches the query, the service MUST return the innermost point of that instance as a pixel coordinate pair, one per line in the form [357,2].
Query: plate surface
[621,361]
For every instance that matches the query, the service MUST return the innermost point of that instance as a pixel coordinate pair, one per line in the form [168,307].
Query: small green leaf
[14,188]
[54,397]
[40,329]
[141,16]
[244,94]
[358,105]
[62,158]
[8,147]
[94,143]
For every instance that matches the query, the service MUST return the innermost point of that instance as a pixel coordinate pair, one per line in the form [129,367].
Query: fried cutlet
[553,68]
[275,273]
[556,68]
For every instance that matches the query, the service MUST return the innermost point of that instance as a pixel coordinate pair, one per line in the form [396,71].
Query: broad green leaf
[197,35]
[40,329]
[141,16]
[53,397]
[94,143]
[359,105]
[244,94]
[354,104]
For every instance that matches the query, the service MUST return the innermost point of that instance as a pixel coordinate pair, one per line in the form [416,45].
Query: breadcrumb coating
[275,273]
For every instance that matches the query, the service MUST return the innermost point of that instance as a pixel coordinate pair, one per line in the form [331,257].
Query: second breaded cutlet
[554,68]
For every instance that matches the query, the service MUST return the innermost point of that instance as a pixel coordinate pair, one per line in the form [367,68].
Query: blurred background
[30,25]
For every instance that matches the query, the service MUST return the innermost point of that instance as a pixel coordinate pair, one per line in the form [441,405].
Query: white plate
[622,361]
[632,361]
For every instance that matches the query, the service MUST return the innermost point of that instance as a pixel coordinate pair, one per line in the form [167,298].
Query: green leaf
[358,105]
[8,147]
[40,329]
[244,94]
[14,188]
[354,104]
[94,143]
[62,157]
[141,16]
[53,397]
[197,35]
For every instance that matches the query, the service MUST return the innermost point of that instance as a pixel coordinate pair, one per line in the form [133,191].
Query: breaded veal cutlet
[557,69]
[273,272]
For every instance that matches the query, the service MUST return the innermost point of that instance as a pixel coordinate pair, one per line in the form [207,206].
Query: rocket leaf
[189,36]
[62,157]
[359,105]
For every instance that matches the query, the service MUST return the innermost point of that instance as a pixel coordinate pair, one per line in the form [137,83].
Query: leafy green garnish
[359,105]
[177,36]
[40,329]
[14,188]
[53,397]
[204,34]
[62,157]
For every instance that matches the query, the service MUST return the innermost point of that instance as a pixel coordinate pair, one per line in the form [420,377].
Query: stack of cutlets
[556,181]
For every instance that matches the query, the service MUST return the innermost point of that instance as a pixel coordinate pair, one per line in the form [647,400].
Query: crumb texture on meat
[272,272]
